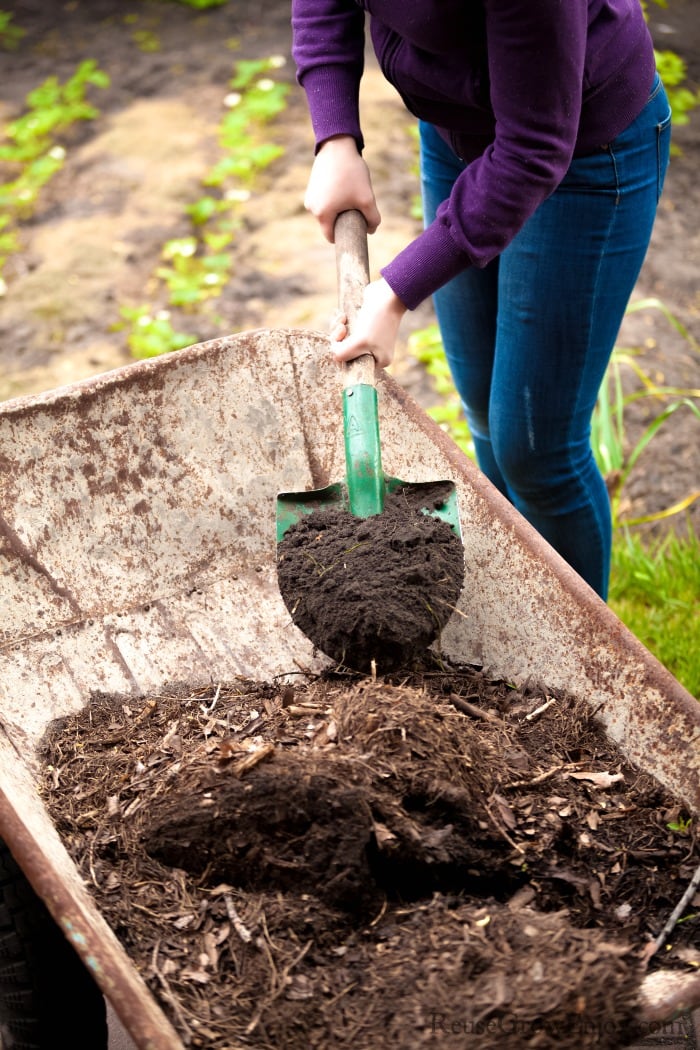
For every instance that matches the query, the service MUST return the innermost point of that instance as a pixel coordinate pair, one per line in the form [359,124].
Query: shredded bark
[408,860]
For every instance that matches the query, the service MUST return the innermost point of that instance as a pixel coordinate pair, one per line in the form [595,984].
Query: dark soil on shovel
[373,590]
[427,858]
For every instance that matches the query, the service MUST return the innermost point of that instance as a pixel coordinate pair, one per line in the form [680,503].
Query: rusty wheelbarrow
[137,514]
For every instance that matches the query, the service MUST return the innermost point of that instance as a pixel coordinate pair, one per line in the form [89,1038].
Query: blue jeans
[528,338]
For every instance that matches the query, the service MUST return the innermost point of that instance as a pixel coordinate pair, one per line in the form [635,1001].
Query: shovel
[365,487]
[363,570]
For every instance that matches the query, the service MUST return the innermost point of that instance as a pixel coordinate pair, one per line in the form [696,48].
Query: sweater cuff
[425,265]
[332,94]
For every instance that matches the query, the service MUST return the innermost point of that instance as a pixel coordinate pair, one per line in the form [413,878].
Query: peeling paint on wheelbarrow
[137,547]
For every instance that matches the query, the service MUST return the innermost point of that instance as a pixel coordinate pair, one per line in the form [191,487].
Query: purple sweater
[517,87]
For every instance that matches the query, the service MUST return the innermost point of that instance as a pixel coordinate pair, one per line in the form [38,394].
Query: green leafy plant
[197,267]
[254,100]
[191,277]
[151,334]
[10,35]
[146,40]
[52,108]
[31,145]
[673,72]
[206,208]
[682,825]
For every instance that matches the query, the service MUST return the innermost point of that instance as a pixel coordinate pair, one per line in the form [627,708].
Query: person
[544,142]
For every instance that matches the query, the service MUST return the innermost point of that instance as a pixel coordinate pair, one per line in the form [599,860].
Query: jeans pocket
[663,152]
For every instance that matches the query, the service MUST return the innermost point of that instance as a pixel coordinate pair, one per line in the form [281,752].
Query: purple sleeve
[328,47]
[536,55]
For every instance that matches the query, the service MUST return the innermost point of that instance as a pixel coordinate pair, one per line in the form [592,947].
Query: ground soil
[427,858]
[93,244]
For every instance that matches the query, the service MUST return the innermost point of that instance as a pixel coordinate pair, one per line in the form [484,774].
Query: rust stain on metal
[320,473]
[16,547]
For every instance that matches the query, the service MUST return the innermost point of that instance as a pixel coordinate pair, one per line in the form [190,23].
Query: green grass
[655,591]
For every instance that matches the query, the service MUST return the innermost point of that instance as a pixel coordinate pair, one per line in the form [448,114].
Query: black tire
[47,997]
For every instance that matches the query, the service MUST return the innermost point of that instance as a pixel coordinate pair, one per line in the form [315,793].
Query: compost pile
[377,589]
[423,859]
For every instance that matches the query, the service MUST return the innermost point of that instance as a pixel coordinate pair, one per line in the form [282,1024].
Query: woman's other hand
[375,328]
[340,181]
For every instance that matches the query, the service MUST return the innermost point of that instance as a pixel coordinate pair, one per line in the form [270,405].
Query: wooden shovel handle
[352,267]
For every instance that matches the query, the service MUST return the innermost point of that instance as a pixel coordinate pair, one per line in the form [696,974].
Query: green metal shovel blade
[365,487]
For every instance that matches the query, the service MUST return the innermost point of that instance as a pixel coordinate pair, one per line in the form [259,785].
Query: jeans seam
[616,173]
[661,128]
[657,89]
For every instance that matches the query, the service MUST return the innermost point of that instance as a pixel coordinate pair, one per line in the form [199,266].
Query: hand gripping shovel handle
[363,461]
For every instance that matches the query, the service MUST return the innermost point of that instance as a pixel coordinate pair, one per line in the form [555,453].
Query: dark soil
[428,857]
[374,590]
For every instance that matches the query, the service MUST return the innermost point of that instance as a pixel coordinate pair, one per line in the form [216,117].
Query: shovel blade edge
[438,498]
